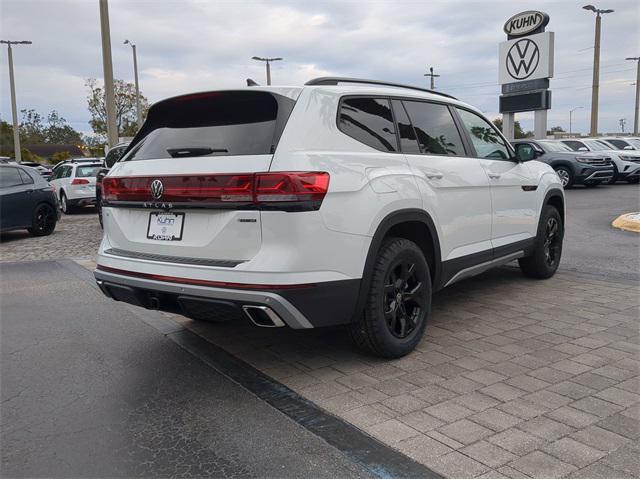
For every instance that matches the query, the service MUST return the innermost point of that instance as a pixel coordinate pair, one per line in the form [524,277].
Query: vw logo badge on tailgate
[157,188]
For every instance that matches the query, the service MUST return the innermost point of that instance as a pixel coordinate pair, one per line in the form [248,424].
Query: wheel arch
[555,198]
[412,224]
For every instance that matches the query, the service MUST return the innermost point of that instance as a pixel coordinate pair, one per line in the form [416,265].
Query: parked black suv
[573,168]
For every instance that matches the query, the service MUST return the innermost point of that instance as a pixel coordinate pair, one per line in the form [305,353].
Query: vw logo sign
[157,188]
[523,59]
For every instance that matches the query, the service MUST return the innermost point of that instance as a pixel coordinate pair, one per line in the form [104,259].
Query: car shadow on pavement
[458,306]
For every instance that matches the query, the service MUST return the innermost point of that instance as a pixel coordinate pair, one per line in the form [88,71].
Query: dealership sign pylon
[525,67]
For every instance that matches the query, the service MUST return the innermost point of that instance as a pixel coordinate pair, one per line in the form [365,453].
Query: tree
[57,131]
[125,100]
[60,132]
[6,139]
[518,132]
[32,130]
[555,129]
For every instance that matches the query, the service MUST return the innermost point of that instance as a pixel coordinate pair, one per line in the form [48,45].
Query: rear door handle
[494,176]
[435,176]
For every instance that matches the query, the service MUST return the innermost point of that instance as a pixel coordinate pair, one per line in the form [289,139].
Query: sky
[190,45]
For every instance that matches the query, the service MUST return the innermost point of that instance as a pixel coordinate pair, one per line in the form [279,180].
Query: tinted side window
[620,144]
[435,128]
[26,179]
[9,177]
[574,145]
[368,120]
[485,138]
[408,140]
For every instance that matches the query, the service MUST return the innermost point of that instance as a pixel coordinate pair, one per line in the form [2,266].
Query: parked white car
[626,162]
[618,143]
[75,183]
[342,202]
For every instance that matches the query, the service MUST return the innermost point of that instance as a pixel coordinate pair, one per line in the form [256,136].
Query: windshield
[553,146]
[212,124]
[595,145]
[88,171]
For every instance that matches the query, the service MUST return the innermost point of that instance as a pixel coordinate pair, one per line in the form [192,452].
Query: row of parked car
[587,161]
[33,195]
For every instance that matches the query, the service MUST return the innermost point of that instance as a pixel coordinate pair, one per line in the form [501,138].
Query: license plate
[165,226]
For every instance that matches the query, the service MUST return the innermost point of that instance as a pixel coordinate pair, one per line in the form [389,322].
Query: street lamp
[14,108]
[135,73]
[571,113]
[595,89]
[268,62]
[635,119]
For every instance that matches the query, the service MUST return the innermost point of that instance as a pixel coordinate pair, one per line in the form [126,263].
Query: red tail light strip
[202,282]
[253,189]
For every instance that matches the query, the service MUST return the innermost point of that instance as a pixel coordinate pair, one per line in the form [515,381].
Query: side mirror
[628,147]
[525,154]
[583,148]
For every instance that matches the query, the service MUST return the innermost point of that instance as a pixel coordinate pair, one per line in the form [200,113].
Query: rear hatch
[83,184]
[183,189]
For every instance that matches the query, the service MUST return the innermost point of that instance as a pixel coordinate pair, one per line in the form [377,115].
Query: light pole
[433,76]
[570,114]
[635,118]
[107,66]
[14,108]
[595,89]
[268,62]
[135,73]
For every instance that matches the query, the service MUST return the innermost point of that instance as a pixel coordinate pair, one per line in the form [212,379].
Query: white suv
[343,202]
[626,164]
[75,183]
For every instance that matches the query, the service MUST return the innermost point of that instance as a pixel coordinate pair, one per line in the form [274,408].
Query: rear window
[9,177]
[88,171]
[212,124]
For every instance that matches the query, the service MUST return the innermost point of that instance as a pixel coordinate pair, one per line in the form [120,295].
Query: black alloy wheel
[44,220]
[552,241]
[403,299]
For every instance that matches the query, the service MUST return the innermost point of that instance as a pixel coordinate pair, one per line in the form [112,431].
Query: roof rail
[336,80]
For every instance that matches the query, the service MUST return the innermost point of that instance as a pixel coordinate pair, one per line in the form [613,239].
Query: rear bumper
[323,304]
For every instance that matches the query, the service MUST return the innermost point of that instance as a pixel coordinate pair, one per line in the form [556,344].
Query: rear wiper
[198,151]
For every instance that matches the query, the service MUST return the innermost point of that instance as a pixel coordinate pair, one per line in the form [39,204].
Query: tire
[566,176]
[543,262]
[44,220]
[401,286]
[614,178]
[64,204]
[633,181]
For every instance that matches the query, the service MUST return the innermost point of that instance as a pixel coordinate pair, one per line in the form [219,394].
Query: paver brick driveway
[515,377]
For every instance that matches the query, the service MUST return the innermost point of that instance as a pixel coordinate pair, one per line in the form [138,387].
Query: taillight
[295,191]
[80,181]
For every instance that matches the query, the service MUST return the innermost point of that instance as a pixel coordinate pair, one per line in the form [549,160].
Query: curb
[628,222]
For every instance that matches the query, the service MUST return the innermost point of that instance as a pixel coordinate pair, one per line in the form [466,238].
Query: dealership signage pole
[109,95]
[525,67]
[14,107]
[637,106]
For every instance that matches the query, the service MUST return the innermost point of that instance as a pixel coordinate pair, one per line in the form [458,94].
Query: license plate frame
[159,236]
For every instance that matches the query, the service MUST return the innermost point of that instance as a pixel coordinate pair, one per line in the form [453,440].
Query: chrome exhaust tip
[263,316]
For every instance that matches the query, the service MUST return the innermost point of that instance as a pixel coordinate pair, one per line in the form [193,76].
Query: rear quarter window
[369,121]
[89,171]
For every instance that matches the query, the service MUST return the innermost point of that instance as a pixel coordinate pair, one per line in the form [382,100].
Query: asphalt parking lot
[515,378]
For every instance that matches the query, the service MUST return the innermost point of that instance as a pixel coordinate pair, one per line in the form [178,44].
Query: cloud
[200,45]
